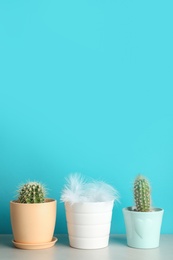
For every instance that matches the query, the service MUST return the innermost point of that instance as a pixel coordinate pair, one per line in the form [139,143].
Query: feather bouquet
[77,189]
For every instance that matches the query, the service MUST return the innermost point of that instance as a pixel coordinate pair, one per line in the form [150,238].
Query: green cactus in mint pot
[31,192]
[142,194]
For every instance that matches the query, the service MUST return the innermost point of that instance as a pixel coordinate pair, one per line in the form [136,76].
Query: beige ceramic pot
[33,223]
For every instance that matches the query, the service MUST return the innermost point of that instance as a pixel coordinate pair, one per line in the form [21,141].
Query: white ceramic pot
[89,224]
[143,228]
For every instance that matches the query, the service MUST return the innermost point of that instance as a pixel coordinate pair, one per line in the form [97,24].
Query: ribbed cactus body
[31,192]
[142,194]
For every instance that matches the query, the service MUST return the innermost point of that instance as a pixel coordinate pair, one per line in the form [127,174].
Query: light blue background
[86,86]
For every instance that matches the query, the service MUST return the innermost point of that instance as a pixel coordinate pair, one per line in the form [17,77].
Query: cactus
[31,192]
[142,194]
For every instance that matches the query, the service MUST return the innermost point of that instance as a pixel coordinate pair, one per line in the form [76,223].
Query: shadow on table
[120,240]
[6,241]
[63,240]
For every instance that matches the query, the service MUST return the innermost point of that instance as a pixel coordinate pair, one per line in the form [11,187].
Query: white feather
[100,191]
[78,190]
[73,191]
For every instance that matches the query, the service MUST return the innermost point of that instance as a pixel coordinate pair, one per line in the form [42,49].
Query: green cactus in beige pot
[33,217]
[31,192]
[142,194]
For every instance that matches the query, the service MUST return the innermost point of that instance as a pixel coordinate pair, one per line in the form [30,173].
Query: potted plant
[88,207]
[143,222]
[33,217]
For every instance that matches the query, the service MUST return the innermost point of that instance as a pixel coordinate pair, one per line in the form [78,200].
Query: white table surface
[117,250]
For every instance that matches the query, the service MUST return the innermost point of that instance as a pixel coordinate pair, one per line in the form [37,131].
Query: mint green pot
[143,228]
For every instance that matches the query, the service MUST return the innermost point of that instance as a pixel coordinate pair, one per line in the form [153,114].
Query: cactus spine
[31,192]
[142,194]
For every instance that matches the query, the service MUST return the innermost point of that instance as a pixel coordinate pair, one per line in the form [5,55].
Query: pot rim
[89,202]
[154,210]
[47,200]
